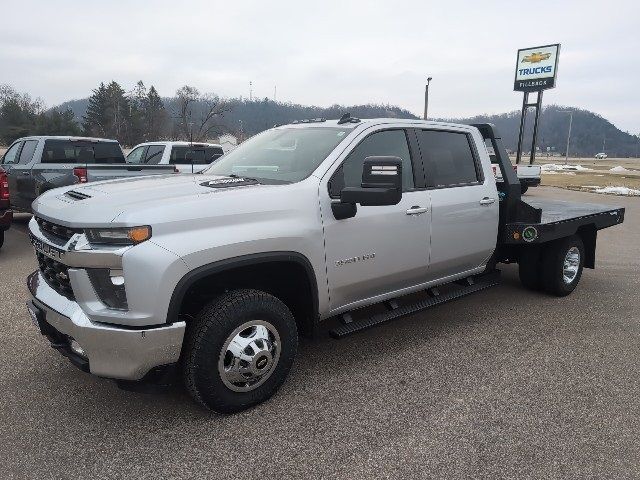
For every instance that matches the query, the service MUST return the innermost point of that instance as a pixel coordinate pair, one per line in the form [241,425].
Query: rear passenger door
[464,202]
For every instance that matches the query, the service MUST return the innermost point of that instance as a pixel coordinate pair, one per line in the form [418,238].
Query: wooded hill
[589,131]
[142,115]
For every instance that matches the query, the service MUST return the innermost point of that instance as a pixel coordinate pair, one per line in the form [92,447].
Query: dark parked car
[37,164]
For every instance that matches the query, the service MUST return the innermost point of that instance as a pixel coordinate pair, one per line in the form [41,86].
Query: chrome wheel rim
[249,356]
[571,265]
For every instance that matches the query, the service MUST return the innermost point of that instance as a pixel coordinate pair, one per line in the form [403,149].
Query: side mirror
[381,183]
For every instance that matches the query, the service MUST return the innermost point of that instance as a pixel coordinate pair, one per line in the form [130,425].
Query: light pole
[426,98]
[566,152]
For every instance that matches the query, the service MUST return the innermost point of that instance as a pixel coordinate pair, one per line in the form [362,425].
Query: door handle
[415,210]
[487,201]
[26,174]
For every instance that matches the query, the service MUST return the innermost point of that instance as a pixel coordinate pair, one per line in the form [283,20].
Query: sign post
[536,71]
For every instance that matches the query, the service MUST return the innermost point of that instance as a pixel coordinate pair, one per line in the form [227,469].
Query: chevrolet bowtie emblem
[536,57]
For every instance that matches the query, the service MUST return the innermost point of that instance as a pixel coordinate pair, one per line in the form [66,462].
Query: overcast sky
[329,52]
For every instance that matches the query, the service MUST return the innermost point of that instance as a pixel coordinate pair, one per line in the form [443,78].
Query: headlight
[118,236]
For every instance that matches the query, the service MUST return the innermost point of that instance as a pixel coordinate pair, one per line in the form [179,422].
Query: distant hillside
[588,131]
[258,115]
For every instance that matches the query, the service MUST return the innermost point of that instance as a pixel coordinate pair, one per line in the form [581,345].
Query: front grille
[56,275]
[58,231]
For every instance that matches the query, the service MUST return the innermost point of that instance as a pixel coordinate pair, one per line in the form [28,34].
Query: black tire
[523,189]
[1,238]
[553,260]
[207,336]
[530,269]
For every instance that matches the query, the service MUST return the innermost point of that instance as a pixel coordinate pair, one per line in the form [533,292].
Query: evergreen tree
[95,121]
[118,112]
[155,116]
[137,100]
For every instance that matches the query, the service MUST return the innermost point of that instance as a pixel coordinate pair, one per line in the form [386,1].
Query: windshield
[287,155]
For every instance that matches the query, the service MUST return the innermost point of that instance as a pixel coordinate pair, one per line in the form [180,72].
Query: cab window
[137,155]
[449,159]
[11,155]
[154,154]
[26,154]
[386,143]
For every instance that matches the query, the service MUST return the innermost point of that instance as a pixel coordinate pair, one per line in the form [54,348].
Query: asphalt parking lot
[505,383]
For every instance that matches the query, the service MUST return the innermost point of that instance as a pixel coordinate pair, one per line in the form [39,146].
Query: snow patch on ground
[553,167]
[559,173]
[619,191]
[620,169]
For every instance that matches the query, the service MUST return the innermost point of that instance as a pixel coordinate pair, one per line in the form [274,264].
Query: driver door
[382,249]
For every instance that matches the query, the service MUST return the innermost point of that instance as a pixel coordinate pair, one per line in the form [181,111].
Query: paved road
[503,384]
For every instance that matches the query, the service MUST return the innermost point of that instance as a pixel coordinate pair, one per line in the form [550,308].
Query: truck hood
[98,203]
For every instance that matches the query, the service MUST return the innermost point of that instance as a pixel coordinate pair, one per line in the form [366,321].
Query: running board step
[478,283]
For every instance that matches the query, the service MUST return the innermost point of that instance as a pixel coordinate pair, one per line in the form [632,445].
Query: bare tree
[198,114]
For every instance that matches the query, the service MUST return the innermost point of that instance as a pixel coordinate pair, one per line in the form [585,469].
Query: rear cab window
[82,152]
[196,154]
[449,158]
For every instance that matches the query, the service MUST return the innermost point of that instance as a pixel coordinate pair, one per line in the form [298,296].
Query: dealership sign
[536,68]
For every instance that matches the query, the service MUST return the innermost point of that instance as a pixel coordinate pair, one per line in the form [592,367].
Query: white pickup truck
[186,157]
[529,175]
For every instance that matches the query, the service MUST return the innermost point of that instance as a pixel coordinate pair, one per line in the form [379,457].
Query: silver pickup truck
[300,229]
[37,164]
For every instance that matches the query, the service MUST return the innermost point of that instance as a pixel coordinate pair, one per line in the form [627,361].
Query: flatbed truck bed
[558,218]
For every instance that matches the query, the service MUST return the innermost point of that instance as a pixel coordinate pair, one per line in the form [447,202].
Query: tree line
[131,117]
[22,115]
[140,115]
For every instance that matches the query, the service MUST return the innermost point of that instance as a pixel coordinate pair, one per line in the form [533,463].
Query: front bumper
[6,218]
[124,353]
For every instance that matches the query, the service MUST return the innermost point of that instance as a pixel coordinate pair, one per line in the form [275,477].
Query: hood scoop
[229,182]
[77,195]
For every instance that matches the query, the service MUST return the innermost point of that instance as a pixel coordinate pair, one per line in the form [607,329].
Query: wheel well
[588,234]
[290,281]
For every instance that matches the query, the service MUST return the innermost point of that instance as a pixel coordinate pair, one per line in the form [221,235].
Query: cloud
[328,52]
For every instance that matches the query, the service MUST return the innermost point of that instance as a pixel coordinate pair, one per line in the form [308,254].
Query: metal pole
[566,153]
[535,128]
[426,98]
[525,99]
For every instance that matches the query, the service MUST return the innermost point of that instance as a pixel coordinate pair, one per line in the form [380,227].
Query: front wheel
[562,265]
[1,238]
[239,350]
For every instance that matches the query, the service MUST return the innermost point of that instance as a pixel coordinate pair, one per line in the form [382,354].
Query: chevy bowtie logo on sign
[536,68]
[536,57]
